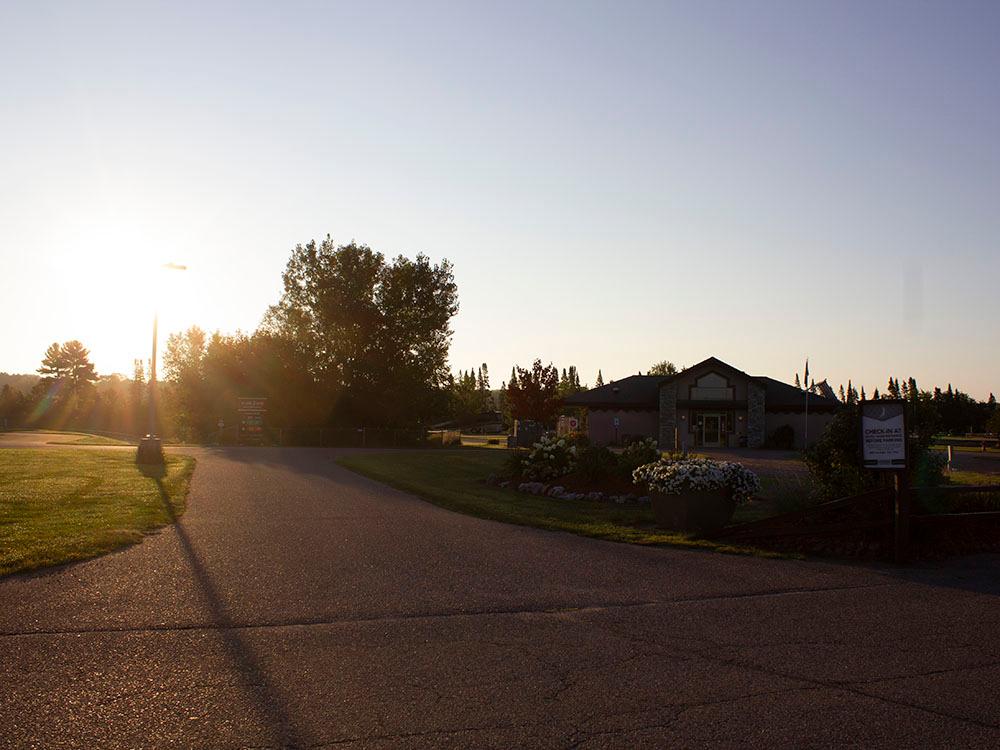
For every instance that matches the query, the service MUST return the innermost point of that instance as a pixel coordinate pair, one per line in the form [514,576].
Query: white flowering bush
[549,458]
[672,477]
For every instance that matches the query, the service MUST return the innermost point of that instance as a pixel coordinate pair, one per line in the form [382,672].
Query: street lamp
[150,448]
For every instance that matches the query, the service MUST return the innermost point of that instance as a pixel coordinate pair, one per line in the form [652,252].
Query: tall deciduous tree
[375,333]
[664,367]
[534,393]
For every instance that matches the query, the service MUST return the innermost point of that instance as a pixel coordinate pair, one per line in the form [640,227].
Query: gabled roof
[643,391]
[714,363]
[635,391]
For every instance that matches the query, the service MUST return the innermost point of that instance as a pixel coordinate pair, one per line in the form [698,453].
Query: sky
[615,183]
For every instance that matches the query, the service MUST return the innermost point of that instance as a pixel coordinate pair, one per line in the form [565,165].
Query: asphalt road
[298,605]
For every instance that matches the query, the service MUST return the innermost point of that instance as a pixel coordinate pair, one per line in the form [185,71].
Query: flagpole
[806,445]
[805,437]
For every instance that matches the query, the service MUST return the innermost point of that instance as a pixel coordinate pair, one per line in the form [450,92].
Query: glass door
[712,436]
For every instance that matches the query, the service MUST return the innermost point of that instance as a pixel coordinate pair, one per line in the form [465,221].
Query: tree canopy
[664,367]
[375,333]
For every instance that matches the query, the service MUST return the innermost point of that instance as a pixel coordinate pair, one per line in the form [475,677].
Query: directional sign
[883,434]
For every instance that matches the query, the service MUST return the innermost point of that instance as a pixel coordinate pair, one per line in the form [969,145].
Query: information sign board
[252,405]
[883,435]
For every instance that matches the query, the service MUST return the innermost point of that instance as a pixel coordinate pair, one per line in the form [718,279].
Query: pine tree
[841,394]
[53,363]
[798,383]
[862,393]
[600,379]
[875,395]
[893,389]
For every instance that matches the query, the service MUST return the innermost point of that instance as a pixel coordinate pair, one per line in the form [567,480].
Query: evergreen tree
[53,363]
[893,389]
[875,395]
[862,393]
[841,394]
[600,380]
[798,383]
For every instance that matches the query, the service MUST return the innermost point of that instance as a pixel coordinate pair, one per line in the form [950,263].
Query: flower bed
[672,477]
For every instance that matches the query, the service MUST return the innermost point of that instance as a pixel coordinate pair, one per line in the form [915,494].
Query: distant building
[710,405]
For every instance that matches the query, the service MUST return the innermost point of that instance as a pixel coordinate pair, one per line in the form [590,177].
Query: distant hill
[19,382]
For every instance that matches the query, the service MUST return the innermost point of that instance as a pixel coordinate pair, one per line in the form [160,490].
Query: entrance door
[712,436]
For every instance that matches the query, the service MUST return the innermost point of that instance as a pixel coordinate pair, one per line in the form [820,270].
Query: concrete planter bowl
[696,511]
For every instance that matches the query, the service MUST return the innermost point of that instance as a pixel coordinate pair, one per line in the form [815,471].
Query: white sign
[883,435]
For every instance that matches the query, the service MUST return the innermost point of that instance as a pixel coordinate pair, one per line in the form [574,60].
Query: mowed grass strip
[58,505]
[452,479]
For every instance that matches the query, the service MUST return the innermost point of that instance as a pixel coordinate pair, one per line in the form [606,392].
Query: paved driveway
[299,605]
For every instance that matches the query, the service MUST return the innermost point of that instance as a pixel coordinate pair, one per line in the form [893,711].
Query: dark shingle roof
[635,391]
[778,394]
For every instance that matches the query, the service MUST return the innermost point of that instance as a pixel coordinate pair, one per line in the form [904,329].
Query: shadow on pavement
[313,461]
[252,674]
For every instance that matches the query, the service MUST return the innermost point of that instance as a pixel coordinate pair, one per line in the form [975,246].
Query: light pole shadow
[252,674]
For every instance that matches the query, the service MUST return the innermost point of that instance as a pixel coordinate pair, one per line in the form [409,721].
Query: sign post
[251,412]
[884,448]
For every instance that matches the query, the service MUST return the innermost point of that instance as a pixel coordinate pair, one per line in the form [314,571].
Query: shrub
[595,463]
[930,469]
[673,477]
[513,467]
[549,458]
[637,454]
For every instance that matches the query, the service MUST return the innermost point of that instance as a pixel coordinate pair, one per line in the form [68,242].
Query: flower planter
[693,510]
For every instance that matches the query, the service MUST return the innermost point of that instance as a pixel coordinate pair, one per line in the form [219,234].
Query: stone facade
[755,415]
[668,415]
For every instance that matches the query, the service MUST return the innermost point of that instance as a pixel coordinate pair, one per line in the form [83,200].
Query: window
[711,387]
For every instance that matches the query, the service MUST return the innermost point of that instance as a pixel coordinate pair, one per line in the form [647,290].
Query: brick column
[668,415]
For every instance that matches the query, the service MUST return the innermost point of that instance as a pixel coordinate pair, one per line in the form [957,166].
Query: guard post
[884,447]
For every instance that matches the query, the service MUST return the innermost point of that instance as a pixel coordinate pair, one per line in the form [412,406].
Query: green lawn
[61,505]
[452,479]
[972,477]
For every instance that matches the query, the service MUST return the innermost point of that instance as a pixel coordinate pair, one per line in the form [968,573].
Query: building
[710,405]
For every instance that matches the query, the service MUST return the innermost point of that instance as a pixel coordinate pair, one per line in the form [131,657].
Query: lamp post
[150,448]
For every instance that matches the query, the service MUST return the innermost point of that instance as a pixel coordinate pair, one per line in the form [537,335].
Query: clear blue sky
[615,183]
